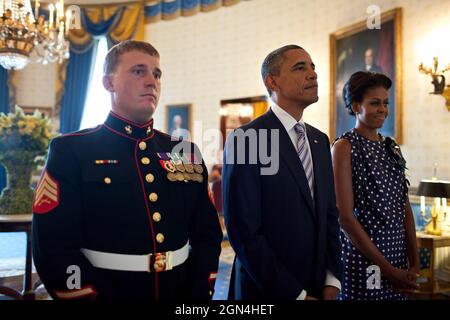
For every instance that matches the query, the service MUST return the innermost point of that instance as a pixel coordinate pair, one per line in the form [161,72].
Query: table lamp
[440,191]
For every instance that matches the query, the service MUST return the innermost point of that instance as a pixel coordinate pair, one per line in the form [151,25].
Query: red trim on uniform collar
[148,123]
[149,137]
[119,133]
[83,133]
[129,129]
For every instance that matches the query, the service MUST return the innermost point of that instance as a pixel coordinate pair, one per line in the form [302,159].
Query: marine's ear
[107,81]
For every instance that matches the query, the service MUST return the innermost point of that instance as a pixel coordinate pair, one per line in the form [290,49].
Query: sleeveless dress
[380,191]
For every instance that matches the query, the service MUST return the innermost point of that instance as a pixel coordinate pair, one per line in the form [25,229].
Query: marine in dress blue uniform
[107,190]
[119,215]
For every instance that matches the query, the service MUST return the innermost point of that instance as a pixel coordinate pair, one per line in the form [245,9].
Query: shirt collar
[129,128]
[285,118]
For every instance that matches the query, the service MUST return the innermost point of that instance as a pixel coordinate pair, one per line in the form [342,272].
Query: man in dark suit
[282,223]
[369,62]
[119,212]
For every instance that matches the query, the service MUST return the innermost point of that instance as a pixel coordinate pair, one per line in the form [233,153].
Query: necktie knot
[300,130]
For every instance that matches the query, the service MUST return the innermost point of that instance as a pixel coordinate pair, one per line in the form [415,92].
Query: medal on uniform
[189,167]
[106,161]
[196,164]
[163,155]
[187,164]
[198,177]
[167,165]
[180,167]
[186,176]
[179,176]
[198,168]
[175,157]
[171,176]
[176,160]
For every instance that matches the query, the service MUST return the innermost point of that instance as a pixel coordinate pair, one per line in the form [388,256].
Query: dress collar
[128,128]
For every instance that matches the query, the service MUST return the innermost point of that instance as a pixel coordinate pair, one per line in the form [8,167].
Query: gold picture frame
[347,47]
[179,115]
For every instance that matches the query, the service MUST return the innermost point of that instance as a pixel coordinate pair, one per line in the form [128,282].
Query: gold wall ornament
[438,79]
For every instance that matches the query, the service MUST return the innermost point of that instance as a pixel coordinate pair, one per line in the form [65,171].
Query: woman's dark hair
[359,83]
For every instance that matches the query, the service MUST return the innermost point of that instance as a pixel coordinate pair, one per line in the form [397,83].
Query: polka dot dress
[379,205]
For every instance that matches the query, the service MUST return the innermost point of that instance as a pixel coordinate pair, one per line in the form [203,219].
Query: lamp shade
[434,188]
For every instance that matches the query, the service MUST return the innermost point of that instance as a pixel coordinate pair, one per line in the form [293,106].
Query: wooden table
[20,223]
[430,285]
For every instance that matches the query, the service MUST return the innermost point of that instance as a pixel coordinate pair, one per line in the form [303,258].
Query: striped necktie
[304,155]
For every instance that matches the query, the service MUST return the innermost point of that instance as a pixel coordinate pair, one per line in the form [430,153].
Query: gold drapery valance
[157,10]
[128,23]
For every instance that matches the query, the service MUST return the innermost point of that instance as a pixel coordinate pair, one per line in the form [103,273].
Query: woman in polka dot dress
[379,249]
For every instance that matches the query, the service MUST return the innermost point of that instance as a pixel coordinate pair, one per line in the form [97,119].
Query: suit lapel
[290,157]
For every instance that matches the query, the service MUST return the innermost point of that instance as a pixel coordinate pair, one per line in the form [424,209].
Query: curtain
[116,22]
[79,71]
[4,91]
[4,107]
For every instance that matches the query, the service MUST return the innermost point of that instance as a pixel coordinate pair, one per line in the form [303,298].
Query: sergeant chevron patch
[46,196]
[212,279]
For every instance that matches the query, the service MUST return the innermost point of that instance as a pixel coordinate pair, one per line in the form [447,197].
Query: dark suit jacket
[374,68]
[284,242]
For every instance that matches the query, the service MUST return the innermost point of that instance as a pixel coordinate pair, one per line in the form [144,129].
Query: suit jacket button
[142,145]
[160,238]
[149,178]
[153,197]
[156,217]
[145,160]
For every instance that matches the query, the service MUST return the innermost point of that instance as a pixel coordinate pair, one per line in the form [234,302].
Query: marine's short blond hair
[113,56]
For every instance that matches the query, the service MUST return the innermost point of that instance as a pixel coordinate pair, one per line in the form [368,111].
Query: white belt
[153,262]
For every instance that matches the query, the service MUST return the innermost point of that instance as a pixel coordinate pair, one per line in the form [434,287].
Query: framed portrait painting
[179,121]
[358,48]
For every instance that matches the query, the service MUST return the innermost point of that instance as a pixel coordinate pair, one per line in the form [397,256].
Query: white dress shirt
[288,123]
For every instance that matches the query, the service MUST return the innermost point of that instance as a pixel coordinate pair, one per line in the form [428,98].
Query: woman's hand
[415,271]
[402,279]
